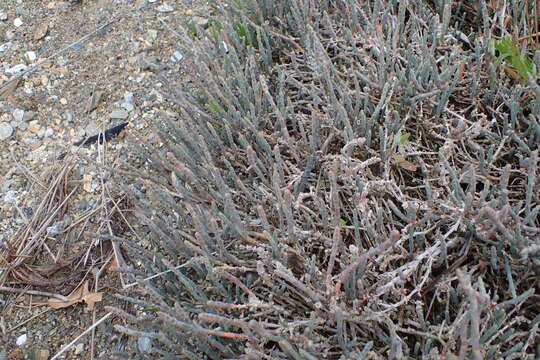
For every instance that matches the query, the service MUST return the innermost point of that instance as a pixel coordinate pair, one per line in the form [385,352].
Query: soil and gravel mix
[70,70]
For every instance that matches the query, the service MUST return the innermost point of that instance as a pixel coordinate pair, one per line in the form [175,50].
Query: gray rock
[68,116]
[144,343]
[119,114]
[29,115]
[6,131]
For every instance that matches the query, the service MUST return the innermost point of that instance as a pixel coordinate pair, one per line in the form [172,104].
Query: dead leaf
[16,354]
[93,102]
[87,182]
[41,31]
[80,294]
[404,164]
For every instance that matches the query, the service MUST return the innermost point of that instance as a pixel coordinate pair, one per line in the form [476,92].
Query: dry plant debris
[80,294]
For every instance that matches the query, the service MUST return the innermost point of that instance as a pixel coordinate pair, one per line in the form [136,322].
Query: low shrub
[345,179]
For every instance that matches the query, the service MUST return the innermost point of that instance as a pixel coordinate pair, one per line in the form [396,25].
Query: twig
[33,292]
[345,274]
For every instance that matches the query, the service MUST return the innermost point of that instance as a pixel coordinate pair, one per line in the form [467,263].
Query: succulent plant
[345,179]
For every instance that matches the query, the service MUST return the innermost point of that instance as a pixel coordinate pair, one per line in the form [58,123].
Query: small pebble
[129,102]
[17,22]
[128,106]
[21,340]
[119,114]
[31,56]
[3,16]
[144,344]
[16,69]
[165,8]
[29,115]
[69,116]
[152,34]
[11,197]
[6,131]
[5,46]
[18,115]
[177,56]
[129,98]
[34,126]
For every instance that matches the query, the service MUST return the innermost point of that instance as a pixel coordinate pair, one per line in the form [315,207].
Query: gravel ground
[107,78]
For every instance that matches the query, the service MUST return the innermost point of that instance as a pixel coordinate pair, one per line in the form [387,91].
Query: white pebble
[31,56]
[21,340]
[5,46]
[165,8]
[10,197]
[177,56]
[17,22]
[18,115]
[5,131]
[16,69]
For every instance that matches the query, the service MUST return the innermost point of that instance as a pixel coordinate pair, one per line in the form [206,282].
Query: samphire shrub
[344,180]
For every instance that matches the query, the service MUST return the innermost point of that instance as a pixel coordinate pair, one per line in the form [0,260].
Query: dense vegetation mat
[344,180]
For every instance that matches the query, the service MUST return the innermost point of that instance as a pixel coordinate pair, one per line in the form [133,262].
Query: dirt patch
[70,70]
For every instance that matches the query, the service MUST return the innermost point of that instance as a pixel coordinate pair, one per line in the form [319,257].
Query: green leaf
[402,138]
[214,108]
[510,53]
